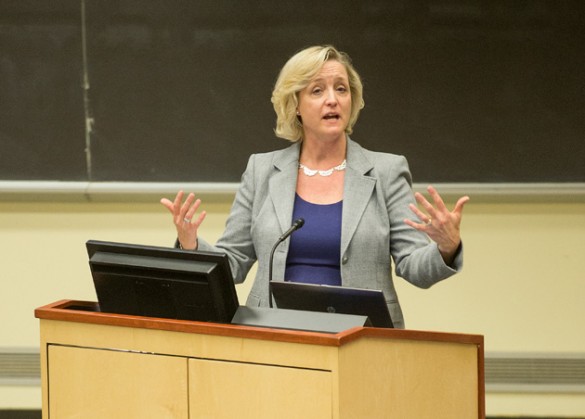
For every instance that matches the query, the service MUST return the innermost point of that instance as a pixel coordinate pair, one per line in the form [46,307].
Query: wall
[522,286]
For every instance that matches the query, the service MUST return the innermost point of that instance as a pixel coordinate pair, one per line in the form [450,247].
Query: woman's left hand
[440,224]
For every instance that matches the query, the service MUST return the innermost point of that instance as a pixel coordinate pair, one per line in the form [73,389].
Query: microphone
[294,227]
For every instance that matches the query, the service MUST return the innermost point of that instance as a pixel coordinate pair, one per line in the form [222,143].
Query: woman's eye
[317,91]
[342,89]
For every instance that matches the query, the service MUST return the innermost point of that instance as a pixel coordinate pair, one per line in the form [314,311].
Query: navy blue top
[314,251]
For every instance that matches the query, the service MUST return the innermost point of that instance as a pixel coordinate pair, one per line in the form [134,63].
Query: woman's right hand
[183,213]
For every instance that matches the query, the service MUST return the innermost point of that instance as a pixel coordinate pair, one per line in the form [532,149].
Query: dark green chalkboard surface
[179,91]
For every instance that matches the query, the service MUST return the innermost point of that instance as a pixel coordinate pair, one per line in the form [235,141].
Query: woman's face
[325,104]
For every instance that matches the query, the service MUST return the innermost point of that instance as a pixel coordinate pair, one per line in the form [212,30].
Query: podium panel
[414,379]
[96,383]
[226,390]
[109,365]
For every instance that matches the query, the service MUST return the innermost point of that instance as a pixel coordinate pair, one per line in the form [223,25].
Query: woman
[358,205]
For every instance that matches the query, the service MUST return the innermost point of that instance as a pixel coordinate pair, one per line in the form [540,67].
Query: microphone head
[299,223]
[294,227]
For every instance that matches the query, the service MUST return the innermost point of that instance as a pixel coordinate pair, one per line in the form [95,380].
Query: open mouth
[330,116]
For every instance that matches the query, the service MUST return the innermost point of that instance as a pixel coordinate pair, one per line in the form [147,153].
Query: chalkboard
[41,109]
[179,91]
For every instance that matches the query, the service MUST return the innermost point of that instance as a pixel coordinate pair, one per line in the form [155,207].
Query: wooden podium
[100,365]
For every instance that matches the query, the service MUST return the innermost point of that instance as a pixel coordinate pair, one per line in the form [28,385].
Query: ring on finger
[430,221]
[186,220]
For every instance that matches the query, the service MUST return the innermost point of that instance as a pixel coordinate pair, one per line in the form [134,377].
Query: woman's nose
[331,98]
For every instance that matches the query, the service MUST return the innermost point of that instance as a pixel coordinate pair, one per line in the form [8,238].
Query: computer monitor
[162,282]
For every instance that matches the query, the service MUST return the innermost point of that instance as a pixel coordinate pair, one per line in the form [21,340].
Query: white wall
[522,286]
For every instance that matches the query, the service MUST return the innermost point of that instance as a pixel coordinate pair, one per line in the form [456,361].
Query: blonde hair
[296,74]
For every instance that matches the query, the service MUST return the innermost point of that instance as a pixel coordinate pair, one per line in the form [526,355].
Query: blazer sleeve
[236,240]
[416,258]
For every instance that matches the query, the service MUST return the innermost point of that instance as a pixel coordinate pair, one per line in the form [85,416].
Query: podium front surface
[96,365]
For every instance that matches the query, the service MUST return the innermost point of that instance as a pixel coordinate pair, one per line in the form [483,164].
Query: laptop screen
[333,299]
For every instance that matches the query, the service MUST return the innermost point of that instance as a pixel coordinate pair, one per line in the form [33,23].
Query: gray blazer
[377,191]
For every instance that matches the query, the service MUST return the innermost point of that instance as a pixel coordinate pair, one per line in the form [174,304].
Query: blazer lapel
[358,187]
[283,185]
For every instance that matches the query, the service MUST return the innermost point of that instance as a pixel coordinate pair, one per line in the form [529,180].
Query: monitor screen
[162,282]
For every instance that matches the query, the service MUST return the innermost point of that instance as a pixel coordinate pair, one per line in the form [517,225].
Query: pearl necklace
[312,172]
